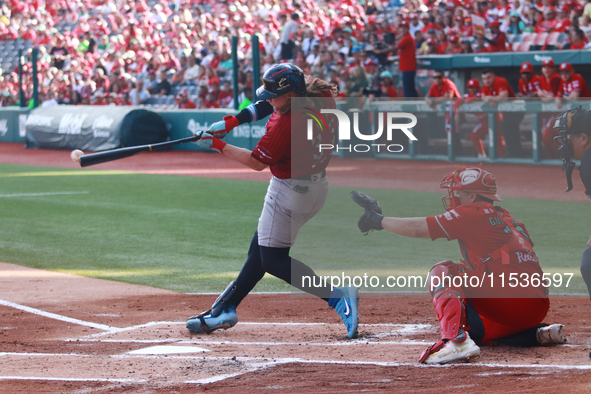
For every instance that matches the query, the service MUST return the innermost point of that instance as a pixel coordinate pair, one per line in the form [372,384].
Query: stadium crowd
[177,53]
[96,52]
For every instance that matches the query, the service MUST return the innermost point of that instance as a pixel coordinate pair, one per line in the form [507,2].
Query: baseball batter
[296,193]
[491,242]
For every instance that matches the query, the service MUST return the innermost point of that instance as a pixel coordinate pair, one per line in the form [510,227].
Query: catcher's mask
[569,122]
[471,180]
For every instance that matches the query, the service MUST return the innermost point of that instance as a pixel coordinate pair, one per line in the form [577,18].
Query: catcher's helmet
[471,180]
[280,79]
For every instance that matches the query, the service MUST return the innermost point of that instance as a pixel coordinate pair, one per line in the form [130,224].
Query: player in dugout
[494,247]
[296,193]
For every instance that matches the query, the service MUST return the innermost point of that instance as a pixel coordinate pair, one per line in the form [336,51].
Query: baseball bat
[116,154]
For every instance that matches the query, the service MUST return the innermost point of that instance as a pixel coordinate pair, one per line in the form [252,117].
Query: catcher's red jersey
[487,235]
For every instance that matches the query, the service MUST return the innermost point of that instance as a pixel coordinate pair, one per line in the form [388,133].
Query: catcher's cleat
[347,307]
[204,323]
[446,351]
[551,335]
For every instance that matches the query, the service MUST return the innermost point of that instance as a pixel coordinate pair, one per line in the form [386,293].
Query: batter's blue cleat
[346,306]
[206,324]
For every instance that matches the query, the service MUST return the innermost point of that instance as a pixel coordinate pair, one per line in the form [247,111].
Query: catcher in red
[493,245]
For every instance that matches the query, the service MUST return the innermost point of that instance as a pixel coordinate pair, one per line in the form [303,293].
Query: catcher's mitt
[372,218]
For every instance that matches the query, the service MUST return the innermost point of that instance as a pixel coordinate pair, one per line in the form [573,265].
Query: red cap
[494,24]
[548,62]
[526,68]
[183,93]
[473,83]
[403,24]
[431,41]
[565,67]
[454,39]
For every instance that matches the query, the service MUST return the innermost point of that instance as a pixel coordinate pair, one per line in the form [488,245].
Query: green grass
[191,234]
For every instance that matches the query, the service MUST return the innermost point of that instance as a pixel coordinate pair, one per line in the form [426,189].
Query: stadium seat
[541,39]
[516,46]
[552,38]
[192,90]
[529,38]
[524,47]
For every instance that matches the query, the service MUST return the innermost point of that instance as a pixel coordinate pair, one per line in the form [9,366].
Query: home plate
[169,350]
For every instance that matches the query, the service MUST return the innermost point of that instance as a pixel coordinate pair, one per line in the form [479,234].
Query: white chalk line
[56,316]
[127,380]
[237,343]
[41,194]
[289,360]
[404,328]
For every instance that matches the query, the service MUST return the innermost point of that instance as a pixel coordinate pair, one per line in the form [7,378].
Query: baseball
[75,155]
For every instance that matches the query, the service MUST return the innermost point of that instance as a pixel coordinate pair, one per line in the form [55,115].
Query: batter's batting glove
[223,127]
[372,218]
[211,142]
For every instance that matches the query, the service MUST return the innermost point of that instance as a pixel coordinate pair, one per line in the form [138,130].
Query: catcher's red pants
[519,308]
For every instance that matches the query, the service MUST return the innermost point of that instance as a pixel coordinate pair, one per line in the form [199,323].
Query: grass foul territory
[191,234]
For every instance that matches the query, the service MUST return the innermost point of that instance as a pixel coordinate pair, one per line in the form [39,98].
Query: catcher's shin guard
[448,302]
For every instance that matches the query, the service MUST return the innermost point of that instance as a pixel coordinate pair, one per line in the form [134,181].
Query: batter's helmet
[280,79]
[471,180]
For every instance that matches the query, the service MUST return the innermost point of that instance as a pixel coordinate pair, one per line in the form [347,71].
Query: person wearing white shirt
[49,101]
[415,25]
[139,95]
[314,57]
[192,73]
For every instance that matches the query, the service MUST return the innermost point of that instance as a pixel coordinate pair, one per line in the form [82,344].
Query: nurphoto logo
[344,130]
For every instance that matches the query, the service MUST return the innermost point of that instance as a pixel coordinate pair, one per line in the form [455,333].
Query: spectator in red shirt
[465,26]
[548,23]
[210,101]
[183,101]
[496,89]
[498,42]
[453,46]
[429,23]
[529,83]
[226,95]
[577,37]
[407,63]
[387,85]
[481,46]
[441,42]
[432,46]
[442,90]
[572,87]
[563,21]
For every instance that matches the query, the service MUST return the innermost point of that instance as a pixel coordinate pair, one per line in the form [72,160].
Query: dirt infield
[65,333]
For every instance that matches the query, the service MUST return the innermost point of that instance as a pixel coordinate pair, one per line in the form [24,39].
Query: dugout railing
[443,132]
